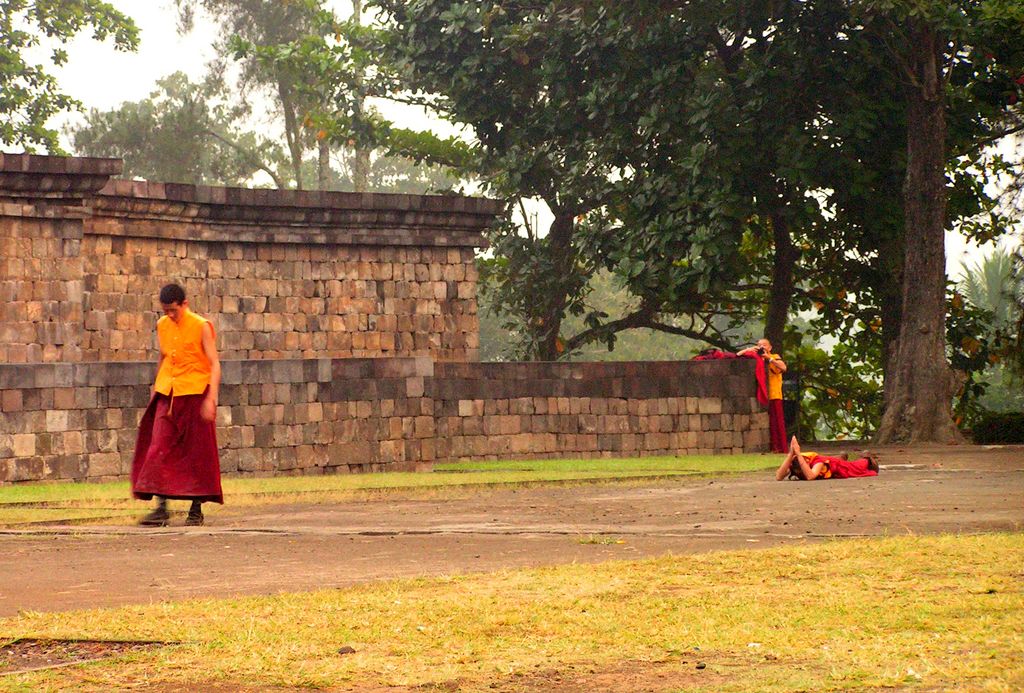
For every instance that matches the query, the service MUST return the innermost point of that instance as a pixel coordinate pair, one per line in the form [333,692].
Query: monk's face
[766,345]
[174,310]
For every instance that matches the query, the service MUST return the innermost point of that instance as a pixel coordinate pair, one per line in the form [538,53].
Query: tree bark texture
[889,292]
[560,237]
[323,169]
[292,133]
[918,400]
[786,255]
[361,157]
[361,170]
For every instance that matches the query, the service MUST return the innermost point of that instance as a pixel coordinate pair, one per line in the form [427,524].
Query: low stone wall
[606,409]
[314,416]
[79,421]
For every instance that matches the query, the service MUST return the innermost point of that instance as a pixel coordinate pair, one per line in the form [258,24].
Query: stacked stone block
[315,302]
[316,416]
[347,327]
[312,416]
[537,410]
[41,285]
[350,275]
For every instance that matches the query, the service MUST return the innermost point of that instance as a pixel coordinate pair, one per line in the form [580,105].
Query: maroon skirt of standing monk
[176,452]
[777,426]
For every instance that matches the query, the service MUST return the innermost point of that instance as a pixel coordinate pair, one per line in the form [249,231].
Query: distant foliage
[183,133]
[1004,428]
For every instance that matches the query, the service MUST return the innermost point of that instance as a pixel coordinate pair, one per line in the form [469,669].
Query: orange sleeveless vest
[185,369]
[774,380]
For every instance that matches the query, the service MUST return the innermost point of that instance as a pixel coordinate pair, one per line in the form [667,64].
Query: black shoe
[158,518]
[194,519]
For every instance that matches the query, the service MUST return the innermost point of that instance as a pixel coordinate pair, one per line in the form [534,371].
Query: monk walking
[176,451]
[775,367]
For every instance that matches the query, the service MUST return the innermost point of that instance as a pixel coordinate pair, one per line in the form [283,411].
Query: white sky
[103,78]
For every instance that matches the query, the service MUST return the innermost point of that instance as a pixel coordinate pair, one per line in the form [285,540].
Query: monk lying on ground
[810,465]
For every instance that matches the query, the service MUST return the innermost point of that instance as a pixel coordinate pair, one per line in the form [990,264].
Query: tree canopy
[29,93]
[723,157]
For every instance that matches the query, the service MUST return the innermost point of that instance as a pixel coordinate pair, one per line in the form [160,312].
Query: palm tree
[992,285]
[996,285]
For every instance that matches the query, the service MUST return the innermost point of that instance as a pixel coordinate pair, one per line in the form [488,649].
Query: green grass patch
[933,613]
[24,505]
[707,464]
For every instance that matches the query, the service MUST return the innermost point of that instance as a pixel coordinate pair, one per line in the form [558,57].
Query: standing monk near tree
[775,367]
[176,451]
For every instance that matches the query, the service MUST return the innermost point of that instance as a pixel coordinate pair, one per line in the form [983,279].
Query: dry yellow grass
[909,612]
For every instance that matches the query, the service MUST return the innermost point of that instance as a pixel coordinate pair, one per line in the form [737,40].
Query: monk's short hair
[172,293]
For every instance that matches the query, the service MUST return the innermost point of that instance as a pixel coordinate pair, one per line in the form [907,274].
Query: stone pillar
[42,207]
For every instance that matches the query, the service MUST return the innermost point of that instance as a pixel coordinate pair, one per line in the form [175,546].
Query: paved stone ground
[303,547]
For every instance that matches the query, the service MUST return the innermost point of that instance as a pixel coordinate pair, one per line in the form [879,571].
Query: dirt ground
[304,547]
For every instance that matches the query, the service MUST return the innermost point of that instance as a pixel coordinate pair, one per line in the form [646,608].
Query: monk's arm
[810,472]
[210,348]
[784,468]
[778,364]
[152,388]
[816,471]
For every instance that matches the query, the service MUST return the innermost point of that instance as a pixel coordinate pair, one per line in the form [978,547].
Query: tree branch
[702,335]
[645,317]
[249,155]
[981,144]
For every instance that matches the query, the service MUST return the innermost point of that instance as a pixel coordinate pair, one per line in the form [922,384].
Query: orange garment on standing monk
[774,378]
[185,369]
[776,417]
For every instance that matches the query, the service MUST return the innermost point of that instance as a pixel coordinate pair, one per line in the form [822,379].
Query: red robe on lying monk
[838,468]
[176,451]
[849,469]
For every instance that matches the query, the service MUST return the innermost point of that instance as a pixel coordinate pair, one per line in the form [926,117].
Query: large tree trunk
[292,132]
[361,170]
[560,237]
[786,255]
[323,165]
[918,400]
[890,303]
[361,158]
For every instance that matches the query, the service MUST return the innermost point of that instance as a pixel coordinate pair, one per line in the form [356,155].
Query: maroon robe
[849,469]
[176,452]
[777,426]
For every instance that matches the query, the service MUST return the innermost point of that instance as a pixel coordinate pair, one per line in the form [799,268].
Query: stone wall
[282,274]
[313,416]
[608,409]
[347,324]
[42,208]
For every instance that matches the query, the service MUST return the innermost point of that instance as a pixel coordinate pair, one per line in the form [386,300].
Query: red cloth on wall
[762,381]
[176,452]
[759,371]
